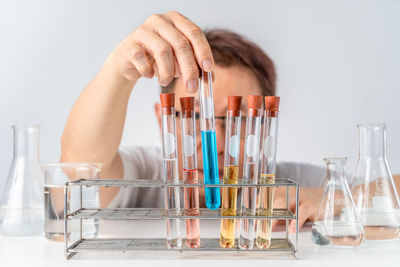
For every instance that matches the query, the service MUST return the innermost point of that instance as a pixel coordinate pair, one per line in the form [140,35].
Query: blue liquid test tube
[209,141]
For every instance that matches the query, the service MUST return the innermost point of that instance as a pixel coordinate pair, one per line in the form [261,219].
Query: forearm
[94,128]
[167,46]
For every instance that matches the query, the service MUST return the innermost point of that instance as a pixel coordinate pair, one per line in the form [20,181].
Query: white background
[338,64]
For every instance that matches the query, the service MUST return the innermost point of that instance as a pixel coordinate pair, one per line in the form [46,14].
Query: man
[172,48]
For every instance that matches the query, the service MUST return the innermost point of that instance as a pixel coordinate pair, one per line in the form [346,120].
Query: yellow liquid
[229,199]
[263,239]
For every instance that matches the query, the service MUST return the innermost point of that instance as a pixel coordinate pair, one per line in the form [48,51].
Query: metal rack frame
[159,244]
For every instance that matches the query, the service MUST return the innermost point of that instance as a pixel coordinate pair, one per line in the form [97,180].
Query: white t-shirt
[146,163]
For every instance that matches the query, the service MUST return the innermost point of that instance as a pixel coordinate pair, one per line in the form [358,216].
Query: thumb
[302,214]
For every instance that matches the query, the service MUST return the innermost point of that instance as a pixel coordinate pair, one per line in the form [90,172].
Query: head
[241,68]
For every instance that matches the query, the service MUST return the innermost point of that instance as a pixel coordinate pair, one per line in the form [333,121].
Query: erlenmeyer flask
[372,186]
[337,222]
[21,206]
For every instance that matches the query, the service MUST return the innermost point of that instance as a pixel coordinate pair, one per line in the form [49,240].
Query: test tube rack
[280,245]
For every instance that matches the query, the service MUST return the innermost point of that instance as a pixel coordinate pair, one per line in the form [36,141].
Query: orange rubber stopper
[167,100]
[187,106]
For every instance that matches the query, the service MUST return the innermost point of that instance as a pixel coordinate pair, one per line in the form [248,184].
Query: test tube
[231,170]
[267,173]
[170,169]
[250,169]
[191,194]
[209,141]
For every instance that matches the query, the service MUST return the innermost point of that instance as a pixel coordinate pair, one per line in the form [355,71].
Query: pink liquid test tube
[191,194]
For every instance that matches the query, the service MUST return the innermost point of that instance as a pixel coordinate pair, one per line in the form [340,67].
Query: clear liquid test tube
[170,169]
[191,194]
[250,169]
[231,170]
[209,140]
[267,173]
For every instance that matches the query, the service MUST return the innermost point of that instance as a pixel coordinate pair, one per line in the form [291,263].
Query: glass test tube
[209,141]
[231,170]
[191,194]
[250,169]
[267,173]
[170,169]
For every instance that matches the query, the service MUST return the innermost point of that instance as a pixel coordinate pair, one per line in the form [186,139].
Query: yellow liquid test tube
[231,171]
[229,202]
[268,167]
[266,205]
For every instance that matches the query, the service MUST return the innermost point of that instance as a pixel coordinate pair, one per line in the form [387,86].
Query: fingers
[304,213]
[177,71]
[274,223]
[307,206]
[183,53]
[161,52]
[169,45]
[138,58]
[196,37]
[280,202]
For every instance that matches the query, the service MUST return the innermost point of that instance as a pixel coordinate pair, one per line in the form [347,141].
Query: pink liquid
[192,205]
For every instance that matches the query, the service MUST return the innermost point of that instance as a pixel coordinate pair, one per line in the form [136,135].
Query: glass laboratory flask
[372,186]
[337,222]
[21,206]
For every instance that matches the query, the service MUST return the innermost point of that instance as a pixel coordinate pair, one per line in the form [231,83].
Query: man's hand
[309,199]
[166,45]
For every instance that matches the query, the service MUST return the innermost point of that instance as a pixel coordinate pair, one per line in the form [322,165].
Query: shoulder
[141,161]
[141,152]
[305,174]
[291,165]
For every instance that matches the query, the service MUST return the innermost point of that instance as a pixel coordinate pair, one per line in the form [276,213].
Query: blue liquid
[210,167]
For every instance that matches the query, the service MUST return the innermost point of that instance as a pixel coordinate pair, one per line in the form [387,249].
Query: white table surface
[38,251]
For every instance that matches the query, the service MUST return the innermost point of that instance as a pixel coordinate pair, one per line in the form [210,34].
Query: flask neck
[372,140]
[336,169]
[26,141]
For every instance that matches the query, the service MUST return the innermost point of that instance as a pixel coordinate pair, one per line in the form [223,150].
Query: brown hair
[231,49]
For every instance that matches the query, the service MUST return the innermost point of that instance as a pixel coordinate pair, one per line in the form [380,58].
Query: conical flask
[372,186]
[337,222]
[21,206]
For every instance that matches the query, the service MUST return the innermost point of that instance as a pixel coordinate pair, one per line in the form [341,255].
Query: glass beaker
[372,186]
[21,205]
[55,177]
[337,222]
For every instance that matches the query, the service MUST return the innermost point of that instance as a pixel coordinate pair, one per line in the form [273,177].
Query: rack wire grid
[160,244]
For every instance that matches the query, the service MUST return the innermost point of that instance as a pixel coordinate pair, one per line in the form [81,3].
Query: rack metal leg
[66,220]
[287,208]
[80,221]
[297,218]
